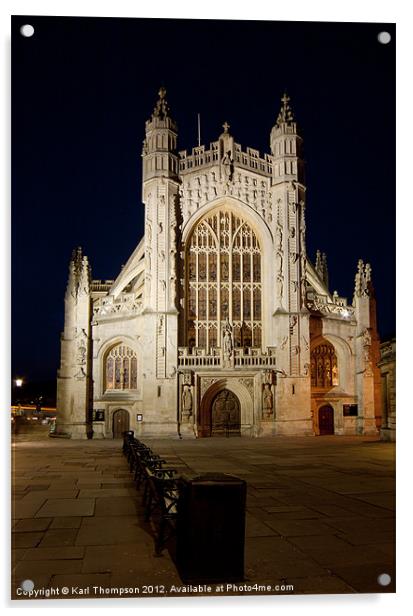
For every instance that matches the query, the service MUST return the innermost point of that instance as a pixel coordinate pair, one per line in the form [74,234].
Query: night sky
[82,89]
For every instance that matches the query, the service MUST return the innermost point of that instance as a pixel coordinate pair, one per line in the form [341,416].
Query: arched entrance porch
[226,409]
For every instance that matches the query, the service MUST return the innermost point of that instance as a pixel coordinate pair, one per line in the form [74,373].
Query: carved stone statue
[227,167]
[81,352]
[267,401]
[366,337]
[280,284]
[279,261]
[227,342]
[187,400]
[279,237]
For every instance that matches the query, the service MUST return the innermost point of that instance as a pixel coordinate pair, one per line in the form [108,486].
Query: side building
[387,365]
[219,322]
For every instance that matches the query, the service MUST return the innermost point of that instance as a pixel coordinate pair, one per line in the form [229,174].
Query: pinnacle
[286,115]
[161,109]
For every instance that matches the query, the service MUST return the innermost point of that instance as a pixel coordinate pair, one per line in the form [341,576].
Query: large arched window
[324,370]
[121,368]
[223,282]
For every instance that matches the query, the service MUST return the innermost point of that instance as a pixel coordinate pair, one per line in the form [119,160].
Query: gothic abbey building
[219,323]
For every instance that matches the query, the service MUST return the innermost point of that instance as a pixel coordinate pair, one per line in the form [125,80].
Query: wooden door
[120,423]
[326,420]
[225,414]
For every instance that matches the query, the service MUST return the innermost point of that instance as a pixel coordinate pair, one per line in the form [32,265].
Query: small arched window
[121,368]
[324,370]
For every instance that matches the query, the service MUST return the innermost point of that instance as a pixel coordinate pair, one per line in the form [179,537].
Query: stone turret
[286,146]
[159,146]
[367,346]
[160,196]
[291,315]
[74,375]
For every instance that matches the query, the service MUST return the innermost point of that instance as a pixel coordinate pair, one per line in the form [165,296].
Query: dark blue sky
[82,89]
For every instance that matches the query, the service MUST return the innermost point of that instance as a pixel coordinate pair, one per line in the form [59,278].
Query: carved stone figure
[268,377]
[149,232]
[227,341]
[267,401]
[279,237]
[366,337]
[280,284]
[81,352]
[187,377]
[187,400]
[279,261]
[228,167]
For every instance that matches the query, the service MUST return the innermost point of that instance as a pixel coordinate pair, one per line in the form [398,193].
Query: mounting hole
[27,30]
[27,585]
[384,579]
[384,37]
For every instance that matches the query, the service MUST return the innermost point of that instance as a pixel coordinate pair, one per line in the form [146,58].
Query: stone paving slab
[132,559]
[117,505]
[30,525]
[100,492]
[66,522]
[67,507]
[59,536]
[113,530]
[295,528]
[268,557]
[26,540]
[66,553]
[256,528]
[27,509]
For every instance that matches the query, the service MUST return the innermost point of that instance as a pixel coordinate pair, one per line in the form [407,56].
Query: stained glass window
[324,370]
[223,281]
[121,368]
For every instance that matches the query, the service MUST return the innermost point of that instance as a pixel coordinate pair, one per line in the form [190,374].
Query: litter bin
[210,531]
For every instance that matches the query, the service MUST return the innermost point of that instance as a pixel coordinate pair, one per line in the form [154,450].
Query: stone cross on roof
[286,115]
[225,126]
[161,108]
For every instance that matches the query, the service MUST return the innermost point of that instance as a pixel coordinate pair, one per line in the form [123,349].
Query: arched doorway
[326,420]
[120,422]
[225,414]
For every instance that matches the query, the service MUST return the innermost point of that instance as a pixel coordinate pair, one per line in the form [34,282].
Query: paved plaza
[320,512]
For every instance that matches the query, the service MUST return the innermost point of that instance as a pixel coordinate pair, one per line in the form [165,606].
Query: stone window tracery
[324,369]
[223,282]
[121,368]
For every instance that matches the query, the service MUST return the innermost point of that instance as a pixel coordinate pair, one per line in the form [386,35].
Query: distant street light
[19,382]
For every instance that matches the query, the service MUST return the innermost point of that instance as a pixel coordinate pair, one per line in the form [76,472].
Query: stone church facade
[219,323]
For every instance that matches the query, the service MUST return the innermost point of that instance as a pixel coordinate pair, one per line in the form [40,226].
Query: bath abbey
[220,323]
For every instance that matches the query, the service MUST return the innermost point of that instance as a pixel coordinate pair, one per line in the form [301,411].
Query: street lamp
[18,382]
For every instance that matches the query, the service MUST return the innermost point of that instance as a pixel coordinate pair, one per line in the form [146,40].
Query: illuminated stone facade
[387,365]
[219,323]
